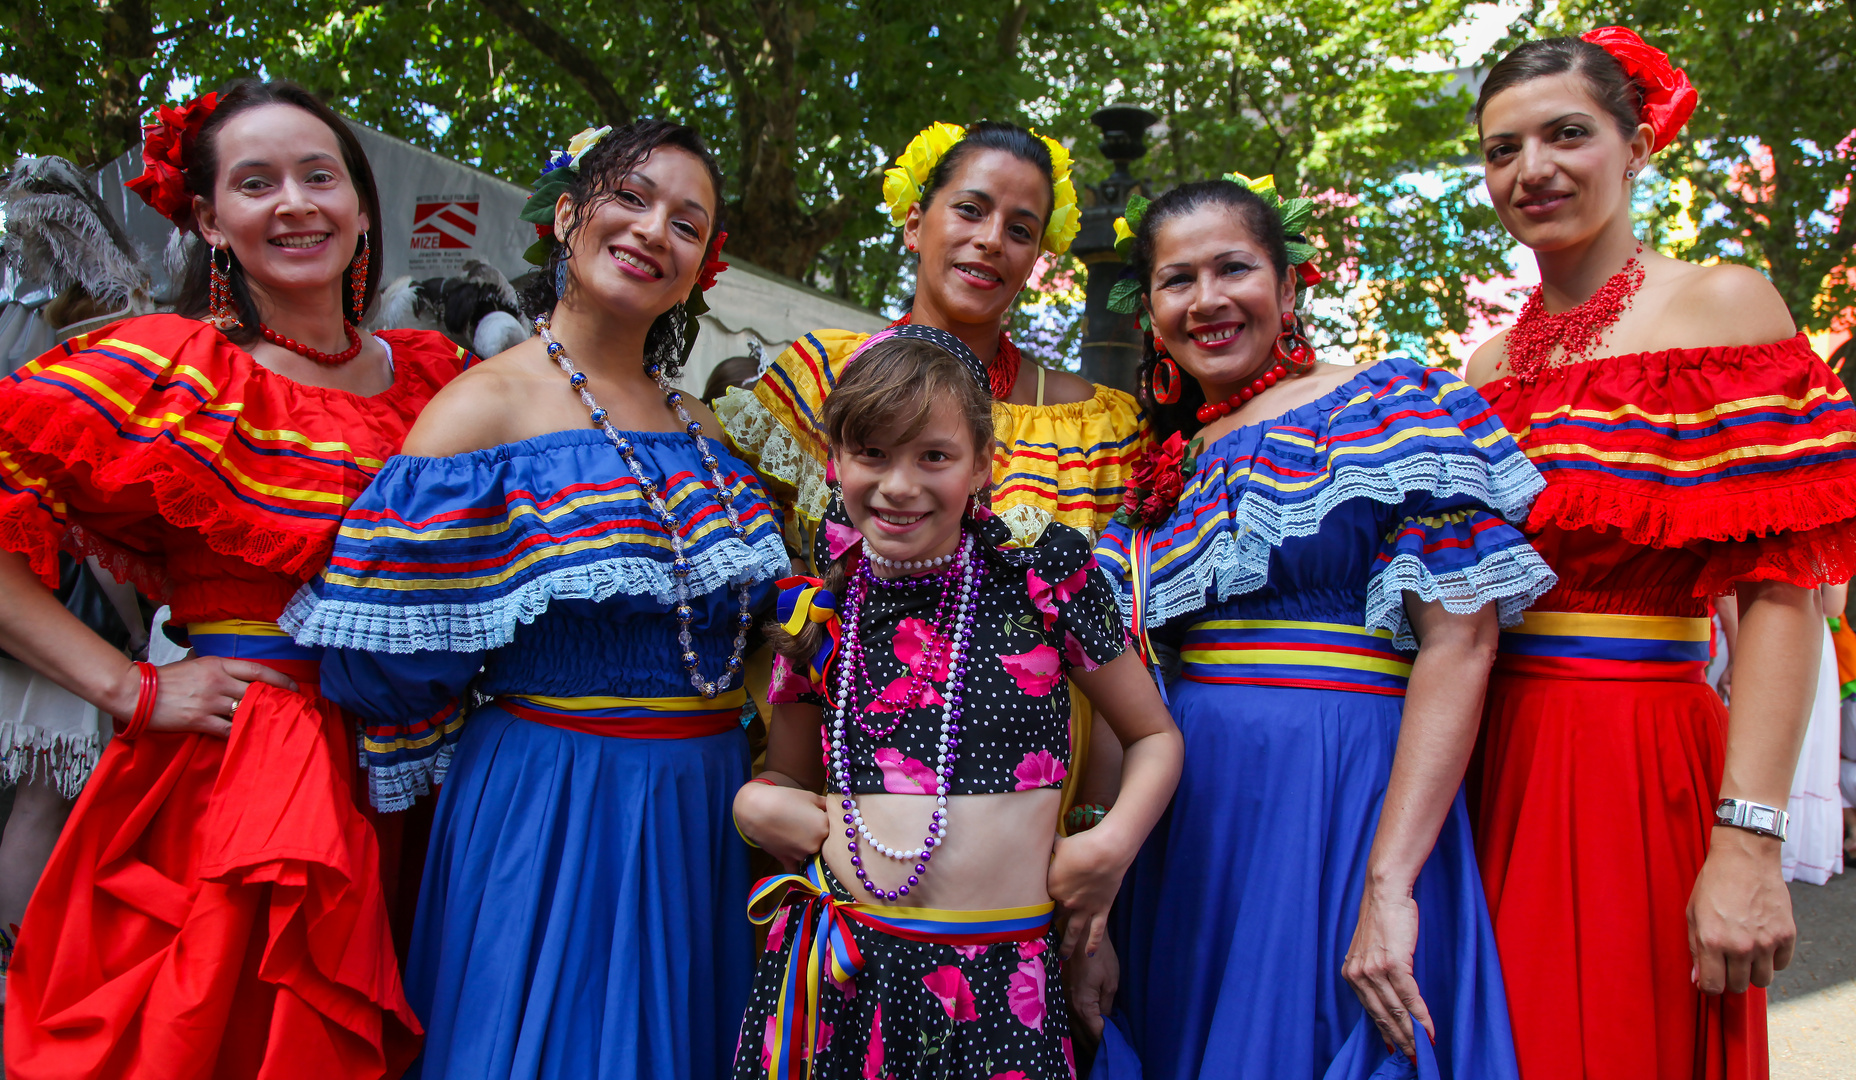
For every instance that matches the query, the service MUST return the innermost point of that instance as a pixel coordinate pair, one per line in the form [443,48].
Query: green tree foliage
[1770,154]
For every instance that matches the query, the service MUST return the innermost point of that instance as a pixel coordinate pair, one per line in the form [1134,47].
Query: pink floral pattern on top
[841,538]
[949,985]
[912,640]
[1037,672]
[1039,770]
[904,775]
[1046,597]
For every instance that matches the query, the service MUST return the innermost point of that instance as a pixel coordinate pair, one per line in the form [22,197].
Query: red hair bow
[1668,99]
[165,143]
[714,264]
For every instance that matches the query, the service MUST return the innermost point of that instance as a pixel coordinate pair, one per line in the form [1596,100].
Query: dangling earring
[220,310]
[1292,349]
[560,279]
[1165,380]
[980,502]
[357,281]
[670,352]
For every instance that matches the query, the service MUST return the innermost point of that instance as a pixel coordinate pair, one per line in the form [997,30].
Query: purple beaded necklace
[969,569]
[921,673]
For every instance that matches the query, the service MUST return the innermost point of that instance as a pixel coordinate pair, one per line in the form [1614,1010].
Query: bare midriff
[997,853]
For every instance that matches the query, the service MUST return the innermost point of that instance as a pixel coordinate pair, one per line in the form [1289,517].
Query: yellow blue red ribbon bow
[806,600]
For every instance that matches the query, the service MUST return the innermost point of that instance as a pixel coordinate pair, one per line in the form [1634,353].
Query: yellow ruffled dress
[1067,463]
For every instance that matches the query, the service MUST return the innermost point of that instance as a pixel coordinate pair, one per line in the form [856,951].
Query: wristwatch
[1753,817]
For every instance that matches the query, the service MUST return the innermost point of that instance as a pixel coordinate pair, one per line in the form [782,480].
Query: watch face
[1762,817]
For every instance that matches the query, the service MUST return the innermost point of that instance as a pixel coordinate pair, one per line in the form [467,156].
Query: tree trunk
[127,47]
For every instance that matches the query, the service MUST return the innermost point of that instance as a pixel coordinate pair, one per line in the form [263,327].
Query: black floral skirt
[972,995]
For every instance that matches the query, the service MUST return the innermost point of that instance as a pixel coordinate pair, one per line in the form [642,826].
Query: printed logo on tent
[444,221]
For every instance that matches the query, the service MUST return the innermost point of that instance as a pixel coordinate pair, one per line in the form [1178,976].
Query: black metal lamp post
[1111,349]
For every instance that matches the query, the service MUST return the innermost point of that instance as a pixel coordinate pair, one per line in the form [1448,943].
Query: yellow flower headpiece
[902,185]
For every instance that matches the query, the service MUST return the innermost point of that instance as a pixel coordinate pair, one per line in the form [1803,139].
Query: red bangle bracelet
[144,702]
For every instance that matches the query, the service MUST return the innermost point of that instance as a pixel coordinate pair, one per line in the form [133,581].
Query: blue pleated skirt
[582,910]
[1235,919]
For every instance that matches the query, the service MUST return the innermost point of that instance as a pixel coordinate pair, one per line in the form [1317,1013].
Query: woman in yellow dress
[978,206]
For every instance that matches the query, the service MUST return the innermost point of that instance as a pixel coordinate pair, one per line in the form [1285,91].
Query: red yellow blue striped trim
[1580,645]
[1286,652]
[633,717]
[824,946]
[260,642]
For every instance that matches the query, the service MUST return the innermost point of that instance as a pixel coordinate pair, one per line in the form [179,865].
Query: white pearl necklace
[908,564]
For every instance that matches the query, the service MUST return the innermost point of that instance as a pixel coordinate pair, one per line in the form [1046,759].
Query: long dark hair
[202,179]
[1264,225]
[890,394]
[1619,94]
[602,172]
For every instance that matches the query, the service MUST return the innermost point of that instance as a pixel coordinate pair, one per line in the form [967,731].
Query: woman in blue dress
[1328,559]
[591,587]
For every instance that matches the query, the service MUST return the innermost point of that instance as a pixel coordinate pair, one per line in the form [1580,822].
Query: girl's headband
[934,336]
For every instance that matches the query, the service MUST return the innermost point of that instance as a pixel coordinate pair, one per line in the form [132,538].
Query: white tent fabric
[439,213]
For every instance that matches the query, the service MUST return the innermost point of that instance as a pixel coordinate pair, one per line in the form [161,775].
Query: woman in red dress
[1693,446]
[215,906]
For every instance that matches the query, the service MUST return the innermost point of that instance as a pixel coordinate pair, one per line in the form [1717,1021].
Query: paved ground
[1812,1018]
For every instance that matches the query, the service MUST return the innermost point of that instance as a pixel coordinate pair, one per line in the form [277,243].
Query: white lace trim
[1236,558]
[397,787]
[28,753]
[1027,523]
[490,624]
[1513,578]
[774,451]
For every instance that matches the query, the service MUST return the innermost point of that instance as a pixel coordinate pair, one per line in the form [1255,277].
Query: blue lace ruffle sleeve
[537,567]
[1401,480]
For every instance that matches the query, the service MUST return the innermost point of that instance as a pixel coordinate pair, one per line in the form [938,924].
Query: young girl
[940,683]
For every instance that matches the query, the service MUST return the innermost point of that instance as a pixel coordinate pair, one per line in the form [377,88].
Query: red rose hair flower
[713,265]
[165,144]
[1668,99]
[1158,481]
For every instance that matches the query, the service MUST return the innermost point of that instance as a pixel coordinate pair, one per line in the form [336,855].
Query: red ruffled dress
[1671,476]
[215,906]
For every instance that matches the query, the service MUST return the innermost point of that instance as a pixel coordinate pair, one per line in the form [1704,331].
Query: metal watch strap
[1753,817]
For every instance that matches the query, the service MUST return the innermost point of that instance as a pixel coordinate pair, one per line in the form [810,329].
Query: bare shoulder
[1065,388]
[703,415]
[475,410]
[1728,304]
[1485,363]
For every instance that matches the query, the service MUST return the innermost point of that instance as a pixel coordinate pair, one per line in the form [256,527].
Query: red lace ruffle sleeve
[1744,454]
[113,442]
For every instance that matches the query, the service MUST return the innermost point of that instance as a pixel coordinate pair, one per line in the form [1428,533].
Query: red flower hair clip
[713,265]
[165,143]
[1668,99]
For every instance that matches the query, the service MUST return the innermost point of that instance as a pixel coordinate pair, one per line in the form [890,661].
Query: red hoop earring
[1292,349]
[1166,379]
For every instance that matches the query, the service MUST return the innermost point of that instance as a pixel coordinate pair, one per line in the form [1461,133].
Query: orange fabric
[1844,639]
[214,908]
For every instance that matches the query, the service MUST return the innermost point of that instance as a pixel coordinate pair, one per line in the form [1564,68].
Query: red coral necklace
[1002,370]
[328,359]
[1577,331]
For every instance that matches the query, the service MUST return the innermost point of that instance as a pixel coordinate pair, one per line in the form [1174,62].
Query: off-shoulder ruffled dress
[1671,477]
[214,906]
[581,914]
[1281,577]
[1065,463]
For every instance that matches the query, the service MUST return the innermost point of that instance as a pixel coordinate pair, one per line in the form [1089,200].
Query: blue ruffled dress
[1281,578]
[581,912]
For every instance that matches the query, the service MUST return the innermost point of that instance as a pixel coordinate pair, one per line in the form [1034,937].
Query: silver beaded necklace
[680,566]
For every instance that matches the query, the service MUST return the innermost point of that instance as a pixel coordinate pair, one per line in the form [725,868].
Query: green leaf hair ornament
[1296,214]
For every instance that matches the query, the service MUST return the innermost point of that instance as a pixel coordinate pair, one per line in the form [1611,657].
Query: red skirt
[1597,787]
[214,909]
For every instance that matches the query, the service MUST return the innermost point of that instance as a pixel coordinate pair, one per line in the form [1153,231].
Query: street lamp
[1111,349]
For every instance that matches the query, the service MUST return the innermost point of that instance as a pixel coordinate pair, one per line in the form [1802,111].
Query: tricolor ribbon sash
[260,642]
[633,717]
[805,600]
[824,947]
[1288,652]
[1580,645]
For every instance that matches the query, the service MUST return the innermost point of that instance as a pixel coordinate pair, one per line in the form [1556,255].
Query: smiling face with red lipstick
[638,248]
[1557,166]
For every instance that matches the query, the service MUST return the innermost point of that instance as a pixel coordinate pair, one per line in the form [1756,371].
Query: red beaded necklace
[1294,356]
[330,359]
[1002,371]
[1576,331]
